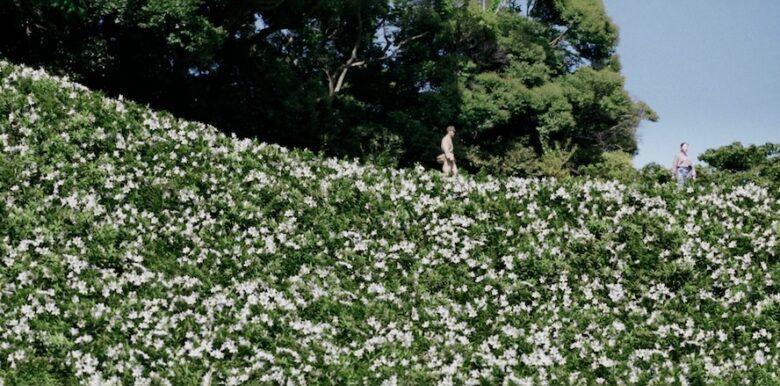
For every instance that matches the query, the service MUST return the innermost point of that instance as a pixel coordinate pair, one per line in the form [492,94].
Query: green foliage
[532,94]
[556,159]
[735,162]
[518,160]
[372,79]
[139,248]
[585,26]
[521,160]
[615,165]
[737,158]
[654,173]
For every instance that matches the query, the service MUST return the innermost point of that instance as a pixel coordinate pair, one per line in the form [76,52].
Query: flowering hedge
[136,248]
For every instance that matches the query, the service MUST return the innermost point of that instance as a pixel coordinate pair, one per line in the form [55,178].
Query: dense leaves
[738,158]
[759,163]
[136,248]
[370,78]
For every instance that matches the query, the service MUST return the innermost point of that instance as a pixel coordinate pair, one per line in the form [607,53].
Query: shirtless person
[447,159]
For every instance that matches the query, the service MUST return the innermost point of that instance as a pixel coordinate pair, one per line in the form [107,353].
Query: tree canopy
[757,163]
[375,79]
[739,158]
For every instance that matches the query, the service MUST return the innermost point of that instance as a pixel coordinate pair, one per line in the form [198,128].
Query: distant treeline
[733,163]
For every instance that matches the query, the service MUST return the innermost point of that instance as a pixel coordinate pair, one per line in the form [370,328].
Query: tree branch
[270,4]
[390,50]
[261,35]
[498,6]
[529,5]
[331,86]
[390,54]
[344,68]
[558,39]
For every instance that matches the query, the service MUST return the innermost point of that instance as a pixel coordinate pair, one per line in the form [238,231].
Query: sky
[709,68]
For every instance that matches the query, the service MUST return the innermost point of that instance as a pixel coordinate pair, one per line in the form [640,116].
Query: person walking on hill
[447,158]
[682,167]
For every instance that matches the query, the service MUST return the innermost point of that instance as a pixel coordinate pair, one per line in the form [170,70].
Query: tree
[738,158]
[532,84]
[376,79]
[755,163]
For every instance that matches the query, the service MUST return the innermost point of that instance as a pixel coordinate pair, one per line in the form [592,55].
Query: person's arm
[674,165]
[693,171]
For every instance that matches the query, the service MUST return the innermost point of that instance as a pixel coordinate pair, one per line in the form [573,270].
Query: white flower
[616,292]
[759,357]
[392,381]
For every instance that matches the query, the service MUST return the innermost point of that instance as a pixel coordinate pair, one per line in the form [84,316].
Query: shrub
[138,248]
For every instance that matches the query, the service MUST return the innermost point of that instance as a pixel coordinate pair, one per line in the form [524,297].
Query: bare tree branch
[498,6]
[344,68]
[529,5]
[270,4]
[331,86]
[389,51]
[387,54]
[559,38]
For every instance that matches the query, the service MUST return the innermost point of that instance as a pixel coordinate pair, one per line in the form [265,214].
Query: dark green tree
[358,78]
[738,158]
[756,163]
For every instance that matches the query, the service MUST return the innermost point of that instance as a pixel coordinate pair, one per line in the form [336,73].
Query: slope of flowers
[139,249]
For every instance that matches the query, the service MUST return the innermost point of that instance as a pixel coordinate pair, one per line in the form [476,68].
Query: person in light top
[682,167]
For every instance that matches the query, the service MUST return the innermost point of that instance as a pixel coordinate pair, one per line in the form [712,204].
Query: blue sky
[709,68]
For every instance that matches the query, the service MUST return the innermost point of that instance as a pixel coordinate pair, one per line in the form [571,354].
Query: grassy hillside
[136,248]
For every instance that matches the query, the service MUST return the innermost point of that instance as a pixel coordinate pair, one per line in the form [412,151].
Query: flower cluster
[136,248]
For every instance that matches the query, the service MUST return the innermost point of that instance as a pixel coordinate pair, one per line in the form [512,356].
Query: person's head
[451,130]
[684,147]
